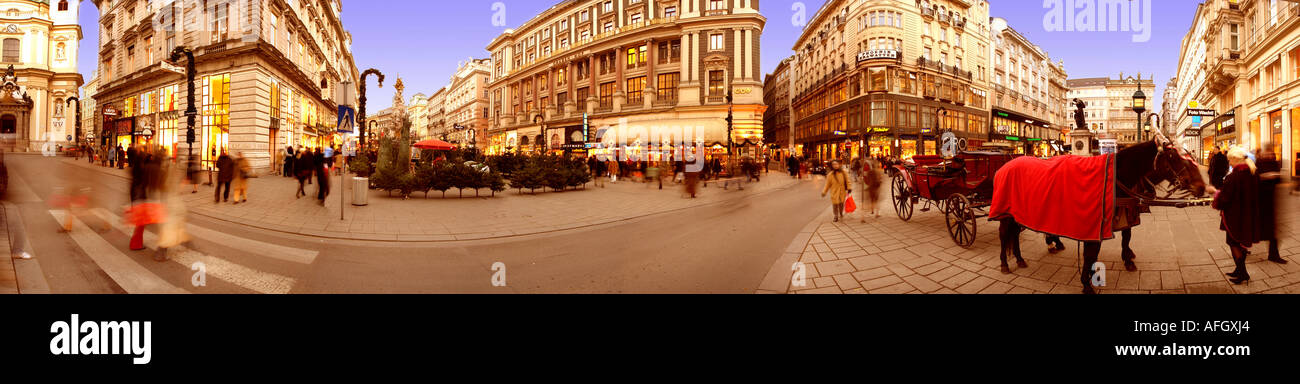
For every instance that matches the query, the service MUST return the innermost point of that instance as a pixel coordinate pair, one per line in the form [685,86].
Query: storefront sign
[109,111]
[1201,113]
[878,54]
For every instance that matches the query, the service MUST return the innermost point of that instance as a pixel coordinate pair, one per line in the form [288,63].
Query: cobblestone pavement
[1179,251]
[271,205]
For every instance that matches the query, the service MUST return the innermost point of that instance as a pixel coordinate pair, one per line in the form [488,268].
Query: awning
[434,144]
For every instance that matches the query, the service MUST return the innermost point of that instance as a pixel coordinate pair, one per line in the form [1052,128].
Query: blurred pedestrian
[225,174]
[837,185]
[871,180]
[302,168]
[1218,167]
[192,173]
[322,177]
[240,182]
[1238,199]
[112,156]
[137,172]
[792,165]
[613,170]
[289,159]
[1270,176]
[121,157]
[692,180]
[171,230]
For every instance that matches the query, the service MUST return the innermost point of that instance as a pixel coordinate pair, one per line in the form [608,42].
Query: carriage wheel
[961,220]
[902,198]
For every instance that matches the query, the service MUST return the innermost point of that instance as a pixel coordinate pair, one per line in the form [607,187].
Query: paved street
[272,206]
[1179,251]
[723,242]
[634,240]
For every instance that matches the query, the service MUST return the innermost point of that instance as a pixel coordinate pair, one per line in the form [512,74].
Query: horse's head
[1176,167]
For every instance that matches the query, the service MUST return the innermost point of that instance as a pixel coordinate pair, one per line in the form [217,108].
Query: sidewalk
[1179,251]
[8,274]
[272,206]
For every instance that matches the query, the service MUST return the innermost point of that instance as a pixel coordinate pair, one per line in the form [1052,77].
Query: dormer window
[63,5]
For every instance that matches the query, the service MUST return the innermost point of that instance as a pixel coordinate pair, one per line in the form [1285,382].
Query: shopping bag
[849,205]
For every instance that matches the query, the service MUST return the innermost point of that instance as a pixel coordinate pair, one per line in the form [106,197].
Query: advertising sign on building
[878,54]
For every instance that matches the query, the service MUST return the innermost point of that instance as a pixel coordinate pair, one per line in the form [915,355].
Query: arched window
[11,51]
[12,12]
[63,5]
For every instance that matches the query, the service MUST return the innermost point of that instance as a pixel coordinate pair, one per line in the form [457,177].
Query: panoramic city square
[650,146]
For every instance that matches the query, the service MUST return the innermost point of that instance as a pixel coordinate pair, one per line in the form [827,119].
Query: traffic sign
[347,119]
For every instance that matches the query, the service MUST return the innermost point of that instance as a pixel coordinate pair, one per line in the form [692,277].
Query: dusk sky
[423,41]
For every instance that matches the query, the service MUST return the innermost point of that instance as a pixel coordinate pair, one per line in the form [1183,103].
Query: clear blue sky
[424,40]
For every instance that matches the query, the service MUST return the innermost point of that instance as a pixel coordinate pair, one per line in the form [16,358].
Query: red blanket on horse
[1067,196]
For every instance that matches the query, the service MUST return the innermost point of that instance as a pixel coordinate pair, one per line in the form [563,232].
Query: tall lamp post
[361,100]
[77,104]
[731,151]
[191,113]
[1140,107]
[939,114]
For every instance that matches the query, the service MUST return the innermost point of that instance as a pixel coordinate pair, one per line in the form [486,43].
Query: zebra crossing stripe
[130,275]
[245,277]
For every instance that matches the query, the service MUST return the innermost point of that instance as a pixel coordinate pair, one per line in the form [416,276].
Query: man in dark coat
[289,157]
[792,165]
[1270,175]
[302,170]
[225,174]
[1218,167]
[135,162]
[322,176]
[1239,201]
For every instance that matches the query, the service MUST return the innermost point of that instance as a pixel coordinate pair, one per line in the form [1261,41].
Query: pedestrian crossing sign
[347,119]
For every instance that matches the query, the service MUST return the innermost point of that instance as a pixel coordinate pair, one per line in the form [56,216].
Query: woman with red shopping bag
[837,185]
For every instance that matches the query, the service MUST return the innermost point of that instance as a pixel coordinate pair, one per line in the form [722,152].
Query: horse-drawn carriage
[960,187]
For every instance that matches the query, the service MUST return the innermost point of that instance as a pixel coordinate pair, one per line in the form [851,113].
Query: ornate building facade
[40,40]
[466,104]
[564,78]
[888,78]
[1028,104]
[776,121]
[268,73]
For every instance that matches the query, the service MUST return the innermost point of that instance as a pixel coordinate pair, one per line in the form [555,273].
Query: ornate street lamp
[361,99]
[1140,104]
[191,112]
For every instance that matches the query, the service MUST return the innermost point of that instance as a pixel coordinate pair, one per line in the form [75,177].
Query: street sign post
[167,66]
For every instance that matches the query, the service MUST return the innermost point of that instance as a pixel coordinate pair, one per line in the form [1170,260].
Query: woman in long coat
[1239,201]
[871,180]
[837,186]
[1269,171]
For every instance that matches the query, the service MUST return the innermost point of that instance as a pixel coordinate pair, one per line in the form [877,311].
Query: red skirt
[146,213]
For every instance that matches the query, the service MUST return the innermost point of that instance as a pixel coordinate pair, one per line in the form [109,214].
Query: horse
[1138,169]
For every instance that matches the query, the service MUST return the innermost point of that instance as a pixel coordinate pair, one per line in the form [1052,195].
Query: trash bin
[360,191]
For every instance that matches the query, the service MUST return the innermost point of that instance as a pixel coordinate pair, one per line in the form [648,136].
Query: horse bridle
[1180,181]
